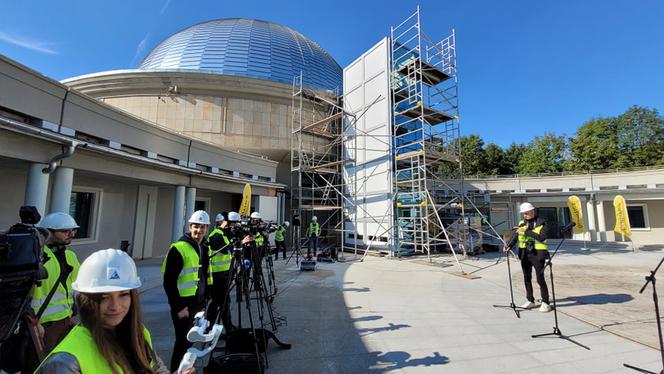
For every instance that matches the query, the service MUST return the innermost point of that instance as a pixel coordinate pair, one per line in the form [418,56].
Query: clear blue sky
[525,66]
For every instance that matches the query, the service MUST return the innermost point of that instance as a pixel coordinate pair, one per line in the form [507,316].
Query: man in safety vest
[221,254]
[279,241]
[533,252]
[62,266]
[256,220]
[186,275]
[312,233]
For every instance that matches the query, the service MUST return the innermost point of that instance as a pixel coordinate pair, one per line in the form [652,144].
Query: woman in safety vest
[111,337]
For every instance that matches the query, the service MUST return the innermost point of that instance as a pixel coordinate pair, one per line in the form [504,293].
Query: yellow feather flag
[622,219]
[245,206]
[574,205]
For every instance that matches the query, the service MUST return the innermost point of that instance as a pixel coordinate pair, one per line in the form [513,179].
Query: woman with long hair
[111,337]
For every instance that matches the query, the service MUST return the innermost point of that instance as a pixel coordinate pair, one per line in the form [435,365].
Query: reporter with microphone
[531,235]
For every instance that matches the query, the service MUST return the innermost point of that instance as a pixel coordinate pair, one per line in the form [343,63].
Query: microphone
[567,227]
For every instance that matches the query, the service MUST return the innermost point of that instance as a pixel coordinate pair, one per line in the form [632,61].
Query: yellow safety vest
[279,234]
[188,277]
[259,239]
[222,260]
[314,228]
[524,240]
[61,304]
[80,344]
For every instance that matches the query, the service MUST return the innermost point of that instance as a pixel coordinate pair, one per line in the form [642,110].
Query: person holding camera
[221,254]
[111,337]
[52,299]
[279,241]
[186,276]
[531,235]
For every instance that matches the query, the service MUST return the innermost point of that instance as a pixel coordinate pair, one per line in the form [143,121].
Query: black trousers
[219,294]
[282,245]
[182,326]
[534,259]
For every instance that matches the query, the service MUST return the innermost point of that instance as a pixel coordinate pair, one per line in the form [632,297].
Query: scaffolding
[317,158]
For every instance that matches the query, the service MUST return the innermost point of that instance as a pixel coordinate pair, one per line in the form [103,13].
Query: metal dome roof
[249,48]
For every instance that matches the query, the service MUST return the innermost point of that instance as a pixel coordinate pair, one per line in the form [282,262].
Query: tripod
[651,279]
[296,249]
[556,330]
[512,306]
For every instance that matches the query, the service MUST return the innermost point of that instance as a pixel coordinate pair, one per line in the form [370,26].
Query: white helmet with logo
[526,207]
[256,215]
[219,217]
[201,217]
[108,270]
[314,218]
[58,221]
[234,217]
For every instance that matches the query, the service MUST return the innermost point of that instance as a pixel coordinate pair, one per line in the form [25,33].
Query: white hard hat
[201,217]
[256,215]
[219,217]
[58,221]
[286,223]
[108,270]
[234,217]
[526,207]
[314,218]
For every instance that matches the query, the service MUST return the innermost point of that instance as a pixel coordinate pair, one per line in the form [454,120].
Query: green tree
[495,160]
[544,154]
[640,138]
[595,145]
[472,155]
[512,157]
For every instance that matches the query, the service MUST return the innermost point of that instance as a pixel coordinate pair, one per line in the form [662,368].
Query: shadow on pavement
[399,360]
[600,298]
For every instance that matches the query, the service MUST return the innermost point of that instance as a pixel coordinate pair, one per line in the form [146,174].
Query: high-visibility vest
[524,240]
[259,239]
[80,344]
[61,304]
[222,260]
[314,229]
[188,277]
[279,234]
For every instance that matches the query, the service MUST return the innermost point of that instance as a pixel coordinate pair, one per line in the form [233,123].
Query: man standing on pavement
[279,241]
[533,252]
[186,275]
[312,234]
[62,266]
[221,254]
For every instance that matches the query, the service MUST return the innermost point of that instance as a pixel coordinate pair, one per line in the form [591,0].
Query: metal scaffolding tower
[425,140]
[318,139]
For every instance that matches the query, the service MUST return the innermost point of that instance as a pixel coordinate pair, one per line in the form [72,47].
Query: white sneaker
[545,308]
[528,305]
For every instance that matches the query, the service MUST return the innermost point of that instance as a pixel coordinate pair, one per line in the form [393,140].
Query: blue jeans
[313,242]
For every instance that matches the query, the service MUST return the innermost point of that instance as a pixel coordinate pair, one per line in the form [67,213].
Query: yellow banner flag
[622,219]
[245,206]
[574,205]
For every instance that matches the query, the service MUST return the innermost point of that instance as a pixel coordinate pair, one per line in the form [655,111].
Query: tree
[512,157]
[640,138]
[495,160]
[595,145]
[472,155]
[544,154]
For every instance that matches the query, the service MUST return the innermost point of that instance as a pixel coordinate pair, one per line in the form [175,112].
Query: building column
[178,213]
[590,214]
[61,194]
[36,188]
[601,224]
[190,203]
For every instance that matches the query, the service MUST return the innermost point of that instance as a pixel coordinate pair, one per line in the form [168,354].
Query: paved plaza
[410,316]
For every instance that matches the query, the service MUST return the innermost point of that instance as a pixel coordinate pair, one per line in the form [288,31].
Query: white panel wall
[367,95]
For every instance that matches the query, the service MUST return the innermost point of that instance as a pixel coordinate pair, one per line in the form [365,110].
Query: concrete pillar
[190,203]
[590,215]
[178,213]
[601,224]
[36,188]
[61,195]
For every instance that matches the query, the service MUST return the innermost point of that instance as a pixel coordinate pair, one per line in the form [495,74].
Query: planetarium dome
[249,48]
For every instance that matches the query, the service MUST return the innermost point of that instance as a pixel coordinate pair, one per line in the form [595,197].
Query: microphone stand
[512,306]
[556,330]
[651,279]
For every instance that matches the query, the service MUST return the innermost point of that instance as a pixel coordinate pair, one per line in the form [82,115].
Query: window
[638,216]
[83,206]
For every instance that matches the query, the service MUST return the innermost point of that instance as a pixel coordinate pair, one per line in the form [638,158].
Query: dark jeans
[279,244]
[535,259]
[181,327]
[313,242]
[218,292]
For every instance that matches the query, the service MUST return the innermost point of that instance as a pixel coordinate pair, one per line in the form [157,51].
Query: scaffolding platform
[430,74]
[431,116]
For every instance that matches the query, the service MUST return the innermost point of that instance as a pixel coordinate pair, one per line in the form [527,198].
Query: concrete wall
[12,191]
[654,234]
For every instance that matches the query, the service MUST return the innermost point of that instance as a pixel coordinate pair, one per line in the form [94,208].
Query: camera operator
[279,241]
[221,254]
[255,224]
[62,266]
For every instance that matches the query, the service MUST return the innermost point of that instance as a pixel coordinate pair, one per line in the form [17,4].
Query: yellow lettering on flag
[622,219]
[245,206]
[574,205]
